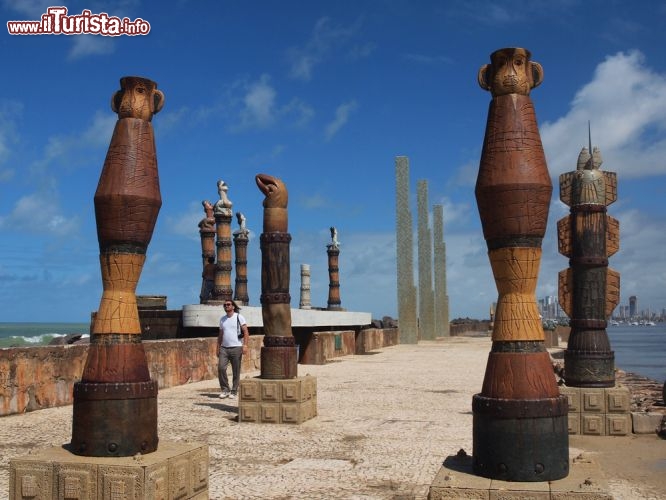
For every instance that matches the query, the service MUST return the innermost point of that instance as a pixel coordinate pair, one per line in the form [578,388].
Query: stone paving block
[573,423]
[270,401]
[645,423]
[618,400]
[176,471]
[293,391]
[76,480]
[520,494]
[249,412]
[593,424]
[455,479]
[31,480]
[593,400]
[584,482]
[249,390]
[618,424]
[270,391]
[573,398]
[269,413]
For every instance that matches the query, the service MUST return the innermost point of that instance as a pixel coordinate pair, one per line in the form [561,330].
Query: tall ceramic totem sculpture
[520,428]
[241,240]
[223,213]
[278,354]
[333,251]
[115,403]
[207,235]
[588,290]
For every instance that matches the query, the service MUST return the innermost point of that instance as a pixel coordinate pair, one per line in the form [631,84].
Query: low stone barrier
[32,378]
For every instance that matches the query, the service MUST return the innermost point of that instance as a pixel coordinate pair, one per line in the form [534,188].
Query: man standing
[232,343]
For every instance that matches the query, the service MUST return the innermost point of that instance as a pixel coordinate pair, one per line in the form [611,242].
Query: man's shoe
[225,394]
[233,395]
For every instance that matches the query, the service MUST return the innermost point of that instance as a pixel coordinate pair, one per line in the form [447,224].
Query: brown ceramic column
[115,403]
[520,419]
[240,244]
[222,290]
[278,355]
[333,251]
[589,290]
[207,234]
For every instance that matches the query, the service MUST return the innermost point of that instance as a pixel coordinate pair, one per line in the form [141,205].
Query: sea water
[640,349]
[34,334]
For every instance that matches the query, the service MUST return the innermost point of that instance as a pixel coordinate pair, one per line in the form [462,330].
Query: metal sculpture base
[513,441]
[278,358]
[115,419]
[589,369]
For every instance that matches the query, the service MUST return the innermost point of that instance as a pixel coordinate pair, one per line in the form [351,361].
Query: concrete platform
[174,471]
[456,479]
[204,315]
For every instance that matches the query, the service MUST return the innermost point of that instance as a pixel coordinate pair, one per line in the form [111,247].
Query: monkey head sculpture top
[510,72]
[275,202]
[137,98]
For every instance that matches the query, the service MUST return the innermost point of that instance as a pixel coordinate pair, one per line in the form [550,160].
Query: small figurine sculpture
[223,205]
[334,237]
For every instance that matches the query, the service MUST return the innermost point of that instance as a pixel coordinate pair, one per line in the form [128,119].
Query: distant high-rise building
[633,306]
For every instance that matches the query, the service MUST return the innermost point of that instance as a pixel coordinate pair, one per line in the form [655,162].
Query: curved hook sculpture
[520,430]
[278,355]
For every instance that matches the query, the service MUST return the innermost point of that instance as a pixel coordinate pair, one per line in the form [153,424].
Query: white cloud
[324,39]
[258,104]
[341,116]
[89,45]
[29,216]
[31,8]
[626,105]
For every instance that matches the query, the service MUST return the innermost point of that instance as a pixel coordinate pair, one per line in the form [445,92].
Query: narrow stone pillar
[520,422]
[405,255]
[305,287]
[207,235]
[333,251]
[588,290]
[442,328]
[278,355]
[222,290]
[241,239]
[115,403]
[426,294]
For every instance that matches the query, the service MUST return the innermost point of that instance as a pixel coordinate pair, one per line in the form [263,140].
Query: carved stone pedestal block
[174,471]
[599,411]
[277,401]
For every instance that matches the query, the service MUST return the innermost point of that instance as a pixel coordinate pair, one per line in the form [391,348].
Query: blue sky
[323,95]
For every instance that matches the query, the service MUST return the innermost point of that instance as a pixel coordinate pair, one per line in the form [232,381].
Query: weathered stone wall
[371,339]
[32,378]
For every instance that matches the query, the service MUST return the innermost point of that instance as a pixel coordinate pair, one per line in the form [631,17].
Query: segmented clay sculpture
[278,355]
[115,403]
[241,240]
[588,290]
[520,419]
